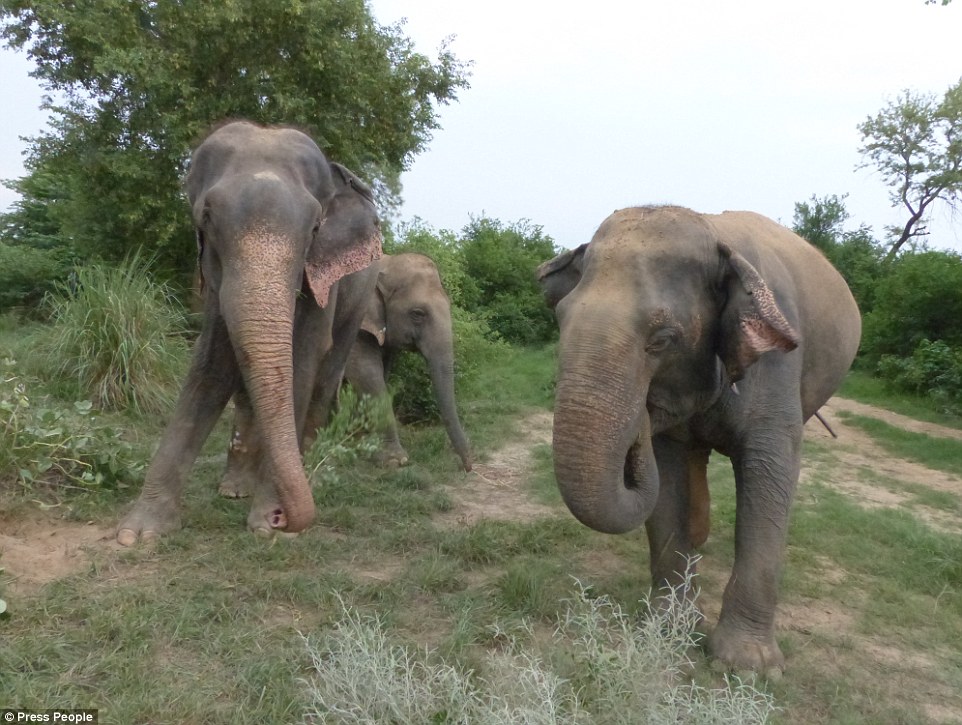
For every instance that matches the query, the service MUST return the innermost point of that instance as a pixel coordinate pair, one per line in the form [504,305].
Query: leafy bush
[500,262]
[40,443]
[934,369]
[116,338]
[919,298]
[27,274]
[625,672]
[352,432]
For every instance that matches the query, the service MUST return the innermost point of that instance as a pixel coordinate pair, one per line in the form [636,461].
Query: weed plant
[64,445]
[116,338]
[613,670]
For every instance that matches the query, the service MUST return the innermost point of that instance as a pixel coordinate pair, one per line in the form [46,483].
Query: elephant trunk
[604,462]
[261,331]
[441,368]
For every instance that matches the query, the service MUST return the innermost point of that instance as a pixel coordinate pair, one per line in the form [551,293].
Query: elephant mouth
[633,462]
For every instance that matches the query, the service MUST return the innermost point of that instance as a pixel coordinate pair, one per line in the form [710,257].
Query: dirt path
[875,478]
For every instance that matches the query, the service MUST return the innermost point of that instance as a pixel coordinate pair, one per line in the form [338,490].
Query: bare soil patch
[38,548]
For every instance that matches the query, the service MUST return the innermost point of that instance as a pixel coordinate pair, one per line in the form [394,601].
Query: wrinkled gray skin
[408,311]
[669,310]
[272,247]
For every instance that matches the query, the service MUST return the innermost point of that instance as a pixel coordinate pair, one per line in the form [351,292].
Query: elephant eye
[661,340]
[418,315]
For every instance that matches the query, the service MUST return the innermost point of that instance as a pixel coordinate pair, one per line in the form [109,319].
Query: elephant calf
[407,309]
[684,333]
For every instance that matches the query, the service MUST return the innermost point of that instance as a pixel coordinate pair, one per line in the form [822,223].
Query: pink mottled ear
[752,322]
[349,237]
[324,270]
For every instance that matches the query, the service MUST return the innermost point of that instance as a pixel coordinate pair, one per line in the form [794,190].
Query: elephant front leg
[367,372]
[243,453]
[212,379]
[668,527]
[766,473]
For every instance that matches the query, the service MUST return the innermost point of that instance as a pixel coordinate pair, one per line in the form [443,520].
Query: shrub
[59,445]
[352,432]
[27,274]
[500,262]
[920,298]
[934,369]
[626,672]
[115,338]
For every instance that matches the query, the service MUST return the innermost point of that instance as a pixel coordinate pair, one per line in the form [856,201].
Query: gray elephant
[681,334]
[408,311]
[277,228]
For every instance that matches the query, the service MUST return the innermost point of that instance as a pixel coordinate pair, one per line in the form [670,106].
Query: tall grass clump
[601,666]
[116,338]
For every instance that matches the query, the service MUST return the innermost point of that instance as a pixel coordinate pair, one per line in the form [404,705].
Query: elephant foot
[740,651]
[392,457]
[147,521]
[236,486]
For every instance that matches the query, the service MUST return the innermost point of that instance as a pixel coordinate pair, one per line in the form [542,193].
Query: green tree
[919,298]
[139,81]
[500,262]
[916,143]
[855,254]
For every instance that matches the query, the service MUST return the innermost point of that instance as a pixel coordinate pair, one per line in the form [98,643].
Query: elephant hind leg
[699,500]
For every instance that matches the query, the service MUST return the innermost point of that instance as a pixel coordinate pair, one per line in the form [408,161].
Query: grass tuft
[116,338]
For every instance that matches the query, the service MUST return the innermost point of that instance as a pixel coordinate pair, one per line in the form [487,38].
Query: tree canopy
[135,83]
[916,143]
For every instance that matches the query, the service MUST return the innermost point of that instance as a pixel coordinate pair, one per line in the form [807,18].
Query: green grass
[874,391]
[943,454]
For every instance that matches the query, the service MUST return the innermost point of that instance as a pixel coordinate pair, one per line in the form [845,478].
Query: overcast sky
[573,113]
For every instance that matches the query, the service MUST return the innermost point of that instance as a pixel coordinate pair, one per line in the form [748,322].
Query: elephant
[407,309]
[277,229]
[681,334]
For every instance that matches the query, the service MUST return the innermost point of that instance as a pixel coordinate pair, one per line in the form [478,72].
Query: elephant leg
[365,371]
[310,324]
[212,379]
[766,472]
[699,500]
[352,295]
[669,534]
[243,453]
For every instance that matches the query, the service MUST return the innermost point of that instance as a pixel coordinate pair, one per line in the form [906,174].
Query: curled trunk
[604,462]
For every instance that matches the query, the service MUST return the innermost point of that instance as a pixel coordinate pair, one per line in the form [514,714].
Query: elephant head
[277,226]
[657,315]
[411,311]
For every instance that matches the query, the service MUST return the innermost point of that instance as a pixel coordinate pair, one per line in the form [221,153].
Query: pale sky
[573,113]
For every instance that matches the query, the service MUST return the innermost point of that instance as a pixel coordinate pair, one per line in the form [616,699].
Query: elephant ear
[348,238]
[375,316]
[751,321]
[561,274]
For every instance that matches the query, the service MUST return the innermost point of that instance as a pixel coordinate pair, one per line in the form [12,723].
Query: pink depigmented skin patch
[322,276]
